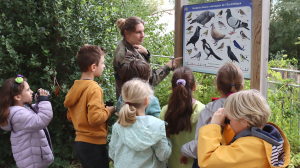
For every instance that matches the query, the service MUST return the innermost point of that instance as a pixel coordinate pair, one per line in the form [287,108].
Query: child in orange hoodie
[87,111]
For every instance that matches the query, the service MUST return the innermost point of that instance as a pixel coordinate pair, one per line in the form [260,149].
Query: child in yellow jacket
[256,143]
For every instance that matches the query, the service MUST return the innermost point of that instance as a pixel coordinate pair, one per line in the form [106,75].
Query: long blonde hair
[134,93]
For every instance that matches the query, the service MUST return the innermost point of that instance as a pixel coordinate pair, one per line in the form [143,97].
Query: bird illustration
[242,12]
[221,24]
[216,35]
[189,19]
[220,14]
[243,58]
[221,46]
[205,33]
[207,49]
[234,22]
[189,51]
[231,55]
[237,45]
[244,35]
[203,18]
[195,37]
[189,16]
[197,56]
[189,28]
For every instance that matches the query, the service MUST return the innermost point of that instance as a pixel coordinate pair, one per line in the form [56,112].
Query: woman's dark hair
[8,90]
[180,106]
[230,78]
[135,69]
[128,24]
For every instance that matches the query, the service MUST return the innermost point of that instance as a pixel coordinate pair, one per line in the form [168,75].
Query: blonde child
[30,139]
[181,114]
[86,109]
[229,79]
[138,140]
[255,144]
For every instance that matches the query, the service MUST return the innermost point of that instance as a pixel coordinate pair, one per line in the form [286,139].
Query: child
[255,144]
[138,140]
[181,114]
[229,79]
[30,139]
[87,111]
[139,69]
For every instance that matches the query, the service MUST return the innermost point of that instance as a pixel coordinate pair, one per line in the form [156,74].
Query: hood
[197,107]
[269,134]
[12,111]
[76,91]
[272,135]
[144,133]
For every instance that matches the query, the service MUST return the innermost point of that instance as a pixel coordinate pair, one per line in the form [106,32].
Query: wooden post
[178,49]
[260,46]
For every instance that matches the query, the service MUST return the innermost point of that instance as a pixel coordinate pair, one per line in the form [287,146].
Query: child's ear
[242,87]
[146,101]
[194,89]
[92,67]
[17,97]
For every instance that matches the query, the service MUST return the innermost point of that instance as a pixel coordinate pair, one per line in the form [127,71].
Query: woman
[130,48]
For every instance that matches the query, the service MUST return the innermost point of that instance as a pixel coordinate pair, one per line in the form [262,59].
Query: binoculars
[227,121]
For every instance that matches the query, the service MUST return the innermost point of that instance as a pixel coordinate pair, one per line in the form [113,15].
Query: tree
[285,28]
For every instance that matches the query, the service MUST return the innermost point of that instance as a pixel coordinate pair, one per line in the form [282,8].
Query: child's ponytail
[230,78]
[127,115]
[8,90]
[180,106]
[134,94]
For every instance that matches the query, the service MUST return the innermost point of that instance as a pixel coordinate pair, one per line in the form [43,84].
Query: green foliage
[285,28]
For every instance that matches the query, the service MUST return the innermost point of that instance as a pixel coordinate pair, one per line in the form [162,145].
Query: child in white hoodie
[138,140]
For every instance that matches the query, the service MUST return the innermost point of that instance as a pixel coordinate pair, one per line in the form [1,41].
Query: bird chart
[216,33]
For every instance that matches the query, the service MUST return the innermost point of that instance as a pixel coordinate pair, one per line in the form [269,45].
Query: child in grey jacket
[30,139]
[229,79]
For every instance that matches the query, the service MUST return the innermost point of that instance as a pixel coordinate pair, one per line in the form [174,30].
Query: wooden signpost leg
[178,50]
[264,47]
[260,46]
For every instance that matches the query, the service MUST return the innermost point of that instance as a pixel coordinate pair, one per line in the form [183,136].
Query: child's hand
[43,92]
[183,159]
[219,117]
[112,109]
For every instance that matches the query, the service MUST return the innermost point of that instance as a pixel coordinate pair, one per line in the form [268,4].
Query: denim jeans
[91,155]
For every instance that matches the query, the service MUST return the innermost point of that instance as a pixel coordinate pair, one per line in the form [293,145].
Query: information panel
[216,33]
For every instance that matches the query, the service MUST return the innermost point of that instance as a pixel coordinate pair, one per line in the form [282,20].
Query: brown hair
[135,69]
[8,90]
[230,78]
[128,24]
[88,55]
[180,106]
